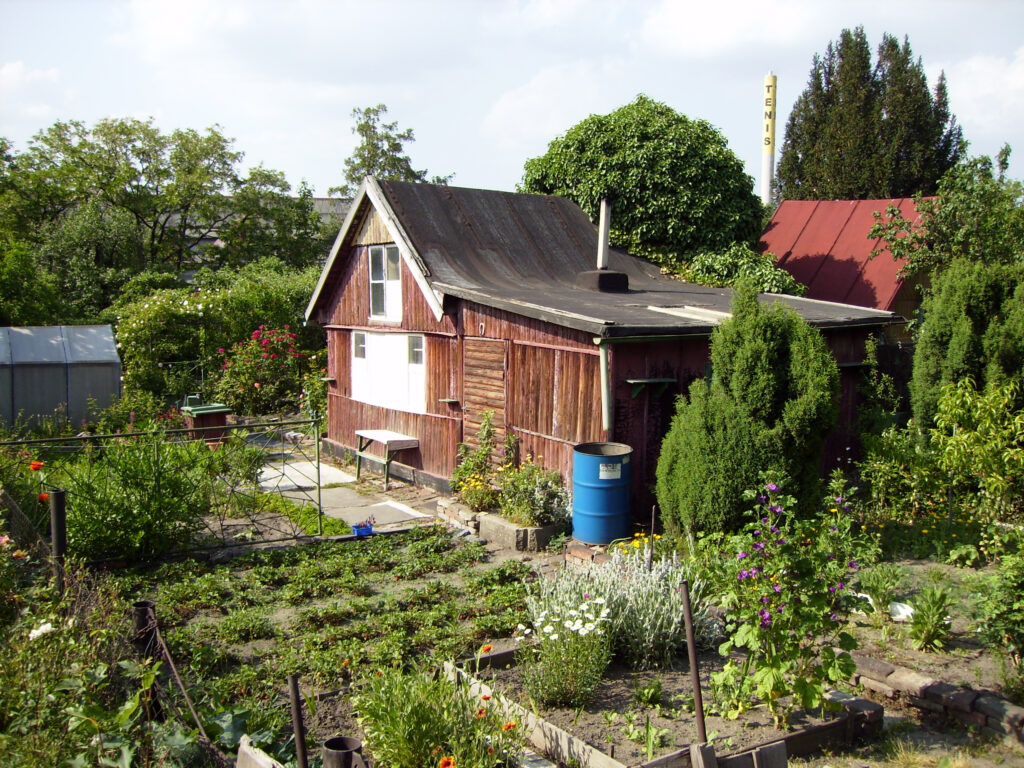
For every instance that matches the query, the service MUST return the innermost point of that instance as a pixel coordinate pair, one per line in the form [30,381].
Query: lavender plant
[786,593]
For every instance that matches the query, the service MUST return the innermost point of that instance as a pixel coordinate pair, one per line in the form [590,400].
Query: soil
[674,716]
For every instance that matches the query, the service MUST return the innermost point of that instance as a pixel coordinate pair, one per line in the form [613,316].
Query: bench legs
[364,443]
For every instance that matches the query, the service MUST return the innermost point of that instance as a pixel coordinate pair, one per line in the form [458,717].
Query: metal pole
[691,650]
[58,535]
[319,501]
[298,726]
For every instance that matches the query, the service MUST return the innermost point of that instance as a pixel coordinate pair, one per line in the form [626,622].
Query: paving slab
[295,475]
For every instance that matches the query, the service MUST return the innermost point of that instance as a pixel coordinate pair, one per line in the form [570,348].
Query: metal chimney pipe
[603,226]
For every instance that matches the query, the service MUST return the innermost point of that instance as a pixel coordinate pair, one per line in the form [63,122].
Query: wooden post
[703,756]
[58,535]
[691,651]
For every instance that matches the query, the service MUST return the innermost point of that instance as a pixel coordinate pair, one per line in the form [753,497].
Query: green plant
[769,403]
[1001,610]
[313,397]
[785,590]
[531,496]
[421,718]
[263,373]
[566,652]
[880,583]
[653,738]
[649,693]
[738,262]
[474,470]
[930,624]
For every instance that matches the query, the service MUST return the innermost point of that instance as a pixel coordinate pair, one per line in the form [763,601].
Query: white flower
[42,629]
[554,636]
[548,629]
[589,626]
[599,600]
[528,631]
[520,627]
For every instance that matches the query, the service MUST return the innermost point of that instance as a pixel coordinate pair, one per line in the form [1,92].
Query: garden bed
[617,727]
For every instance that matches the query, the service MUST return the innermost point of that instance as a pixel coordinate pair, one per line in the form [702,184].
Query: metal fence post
[58,535]
[319,501]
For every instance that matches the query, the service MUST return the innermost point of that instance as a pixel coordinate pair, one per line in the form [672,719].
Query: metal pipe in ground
[58,535]
[298,726]
[691,650]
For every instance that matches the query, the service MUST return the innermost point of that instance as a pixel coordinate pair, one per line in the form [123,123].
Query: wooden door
[483,387]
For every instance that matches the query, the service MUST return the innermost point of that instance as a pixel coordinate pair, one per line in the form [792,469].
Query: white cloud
[15,75]
[553,100]
[986,93]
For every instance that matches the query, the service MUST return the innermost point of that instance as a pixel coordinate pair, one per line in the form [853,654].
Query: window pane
[376,263]
[359,345]
[393,270]
[376,298]
[416,350]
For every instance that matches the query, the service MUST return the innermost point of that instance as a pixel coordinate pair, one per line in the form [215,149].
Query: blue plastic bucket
[601,484]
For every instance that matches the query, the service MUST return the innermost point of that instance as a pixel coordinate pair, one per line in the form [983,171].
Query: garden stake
[58,535]
[691,651]
[650,551]
[319,501]
[144,624]
[297,725]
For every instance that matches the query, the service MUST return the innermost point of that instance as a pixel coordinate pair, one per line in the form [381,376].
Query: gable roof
[522,253]
[824,245]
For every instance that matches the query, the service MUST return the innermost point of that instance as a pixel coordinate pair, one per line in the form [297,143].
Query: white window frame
[385,277]
[391,372]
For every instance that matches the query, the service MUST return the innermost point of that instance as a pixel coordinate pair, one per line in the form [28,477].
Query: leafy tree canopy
[96,205]
[380,153]
[740,262]
[973,328]
[861,130]
[977,214]
[771,401]
[675,187]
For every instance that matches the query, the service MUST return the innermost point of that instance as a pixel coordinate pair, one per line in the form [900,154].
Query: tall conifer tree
[867,131]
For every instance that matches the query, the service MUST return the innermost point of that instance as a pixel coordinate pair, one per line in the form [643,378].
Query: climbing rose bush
[262,374]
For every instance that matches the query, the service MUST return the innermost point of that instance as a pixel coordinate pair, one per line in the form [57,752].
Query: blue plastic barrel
[601,484]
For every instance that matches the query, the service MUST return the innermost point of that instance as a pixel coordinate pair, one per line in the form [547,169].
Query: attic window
[385,283]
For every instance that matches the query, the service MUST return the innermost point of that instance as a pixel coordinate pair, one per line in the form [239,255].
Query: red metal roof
[824,245]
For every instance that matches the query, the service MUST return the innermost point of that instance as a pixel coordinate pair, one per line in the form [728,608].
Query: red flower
[447,762]
[36,465]
[44,497]
[508,726]
[256,384]
[486,648]
[482,712]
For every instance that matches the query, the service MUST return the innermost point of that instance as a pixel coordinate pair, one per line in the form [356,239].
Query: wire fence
[134,496]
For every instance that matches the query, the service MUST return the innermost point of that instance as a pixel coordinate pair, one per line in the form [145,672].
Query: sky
[484,84]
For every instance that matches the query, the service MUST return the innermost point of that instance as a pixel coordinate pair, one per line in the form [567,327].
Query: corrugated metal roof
[58,344]
[522,253]
[825,245]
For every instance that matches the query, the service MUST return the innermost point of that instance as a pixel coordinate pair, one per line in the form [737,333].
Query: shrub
[768,407]
[737,262]
[930,623]
[645,608]
[531,496]
[420,718]
[1001,614]
[262,374]
[474,470]
[785,591]
[566,652]
[880,583]
[313,398]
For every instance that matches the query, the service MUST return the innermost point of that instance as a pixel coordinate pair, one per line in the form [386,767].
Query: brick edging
[992,714]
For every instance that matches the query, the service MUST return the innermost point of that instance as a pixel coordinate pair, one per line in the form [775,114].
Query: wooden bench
[393,442]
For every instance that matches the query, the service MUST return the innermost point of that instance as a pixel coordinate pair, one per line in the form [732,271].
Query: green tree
[741,262]
[862,131]
[973,328]
[675,186]
[97,205]
[771,401]
[380,153]
[977,214]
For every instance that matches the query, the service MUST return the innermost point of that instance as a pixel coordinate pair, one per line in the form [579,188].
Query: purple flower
[854,565]
[839,499]
[762,499]
[742,575]
[766,618]
[741,555]
[757,533]
[832,528]
[771,487]
[780,541]
[759,546]
[834,617]
[777,509]
[777,587]
[764,599]
[764,519]
[773,529]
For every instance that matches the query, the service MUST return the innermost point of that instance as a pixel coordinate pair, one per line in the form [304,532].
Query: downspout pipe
[606,389]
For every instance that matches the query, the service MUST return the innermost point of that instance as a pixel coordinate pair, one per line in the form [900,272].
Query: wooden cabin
[441,303]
